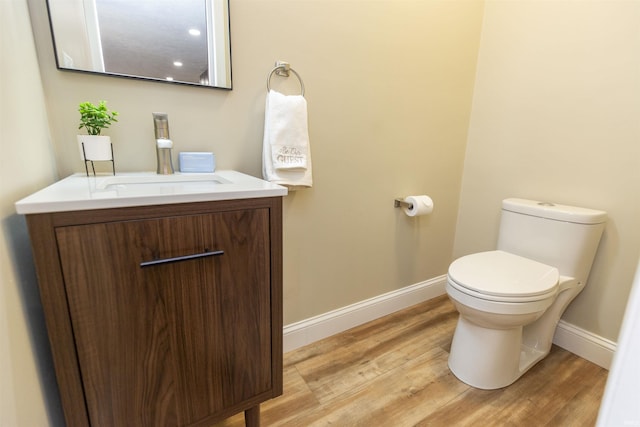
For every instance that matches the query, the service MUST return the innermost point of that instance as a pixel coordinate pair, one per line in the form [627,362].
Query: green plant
[94,118]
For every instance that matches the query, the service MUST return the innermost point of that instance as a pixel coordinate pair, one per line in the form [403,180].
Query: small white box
[197,162]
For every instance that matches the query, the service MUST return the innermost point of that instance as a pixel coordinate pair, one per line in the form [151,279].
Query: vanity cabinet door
[182,339]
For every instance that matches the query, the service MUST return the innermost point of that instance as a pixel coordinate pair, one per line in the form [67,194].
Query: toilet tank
[565,237]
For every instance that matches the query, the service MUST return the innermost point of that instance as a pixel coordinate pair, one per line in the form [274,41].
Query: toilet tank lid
[500,273]
[554,211]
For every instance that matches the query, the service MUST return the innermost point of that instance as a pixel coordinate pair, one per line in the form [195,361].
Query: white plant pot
[95,147]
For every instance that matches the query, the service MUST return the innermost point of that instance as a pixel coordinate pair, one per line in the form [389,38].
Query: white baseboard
[585,344]
[316,328]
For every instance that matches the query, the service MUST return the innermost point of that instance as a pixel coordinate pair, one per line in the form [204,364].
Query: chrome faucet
[163,143]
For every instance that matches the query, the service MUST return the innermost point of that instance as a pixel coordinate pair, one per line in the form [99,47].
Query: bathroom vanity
[162,295]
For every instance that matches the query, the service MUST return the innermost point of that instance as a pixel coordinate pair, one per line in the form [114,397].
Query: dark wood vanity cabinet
[167,315]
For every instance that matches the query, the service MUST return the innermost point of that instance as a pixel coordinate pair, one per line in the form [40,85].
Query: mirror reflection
[185,41]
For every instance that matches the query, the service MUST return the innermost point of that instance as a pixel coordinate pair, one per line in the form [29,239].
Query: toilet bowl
[510,299]
[497,294]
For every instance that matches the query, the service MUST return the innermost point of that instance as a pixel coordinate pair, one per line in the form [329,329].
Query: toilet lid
[501,274]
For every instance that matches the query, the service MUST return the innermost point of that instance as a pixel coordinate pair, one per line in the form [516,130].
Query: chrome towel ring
[282,69]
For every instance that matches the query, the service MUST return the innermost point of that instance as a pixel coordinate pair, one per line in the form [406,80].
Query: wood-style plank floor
[393,372]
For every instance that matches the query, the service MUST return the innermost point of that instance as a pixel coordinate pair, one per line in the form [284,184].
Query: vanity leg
[252,416]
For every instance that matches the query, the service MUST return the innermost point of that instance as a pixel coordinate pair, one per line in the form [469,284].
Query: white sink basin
[144,180]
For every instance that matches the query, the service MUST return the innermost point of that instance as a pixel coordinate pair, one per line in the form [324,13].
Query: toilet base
[490,358]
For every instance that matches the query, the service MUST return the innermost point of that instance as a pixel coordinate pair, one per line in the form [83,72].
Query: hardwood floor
[393,372]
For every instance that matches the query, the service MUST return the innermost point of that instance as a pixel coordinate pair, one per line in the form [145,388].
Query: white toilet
[510,299]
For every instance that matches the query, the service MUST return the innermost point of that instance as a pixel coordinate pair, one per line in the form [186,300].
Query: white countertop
[81,192]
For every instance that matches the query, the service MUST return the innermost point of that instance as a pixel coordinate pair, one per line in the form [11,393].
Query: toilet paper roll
[420,205]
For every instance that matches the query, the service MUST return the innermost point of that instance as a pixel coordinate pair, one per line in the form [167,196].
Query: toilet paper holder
[400,203]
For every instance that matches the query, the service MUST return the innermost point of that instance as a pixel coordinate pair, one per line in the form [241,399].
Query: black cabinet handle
[180,258]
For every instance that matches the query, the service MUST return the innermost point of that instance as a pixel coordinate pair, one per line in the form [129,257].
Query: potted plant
[95,118]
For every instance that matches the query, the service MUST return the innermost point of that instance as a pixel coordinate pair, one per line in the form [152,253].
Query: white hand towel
[288,134]
[286,155]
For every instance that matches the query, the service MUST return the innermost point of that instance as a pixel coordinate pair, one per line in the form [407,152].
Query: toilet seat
[503,277]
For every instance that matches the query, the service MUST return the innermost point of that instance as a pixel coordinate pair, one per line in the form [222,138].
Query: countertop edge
[256,188]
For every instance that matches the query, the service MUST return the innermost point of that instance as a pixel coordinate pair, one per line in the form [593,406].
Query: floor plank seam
[394,372]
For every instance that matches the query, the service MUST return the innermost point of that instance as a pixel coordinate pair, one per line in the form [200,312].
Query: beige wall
[28,391]
[555,117]
[389,87]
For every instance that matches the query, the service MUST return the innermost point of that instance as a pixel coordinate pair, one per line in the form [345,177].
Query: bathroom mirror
[185,41]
